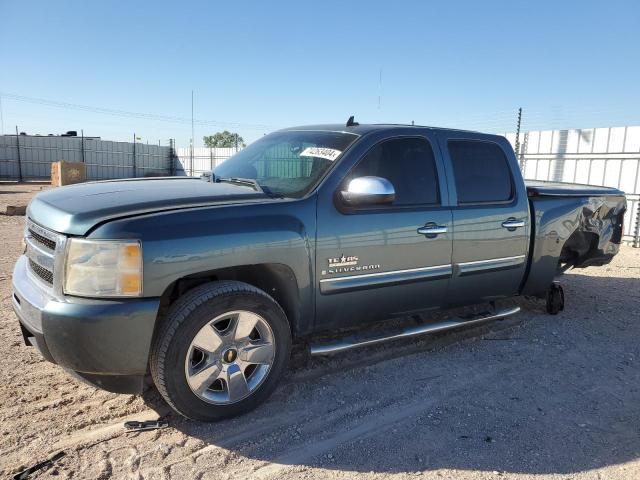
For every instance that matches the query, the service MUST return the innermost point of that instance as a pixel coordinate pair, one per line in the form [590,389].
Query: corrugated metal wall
[204,159]
[599,156]
[607,156]
[104,159]
[282,162]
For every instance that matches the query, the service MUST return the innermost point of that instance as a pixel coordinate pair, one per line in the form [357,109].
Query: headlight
[103,268]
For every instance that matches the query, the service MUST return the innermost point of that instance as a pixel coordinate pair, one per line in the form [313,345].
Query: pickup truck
[202,285]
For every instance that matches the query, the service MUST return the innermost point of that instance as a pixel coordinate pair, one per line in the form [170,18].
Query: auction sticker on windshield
[320,152]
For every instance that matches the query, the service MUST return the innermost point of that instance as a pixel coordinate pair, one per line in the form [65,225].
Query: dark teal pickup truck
[203,284]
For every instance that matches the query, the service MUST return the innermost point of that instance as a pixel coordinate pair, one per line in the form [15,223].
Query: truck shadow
[544,395]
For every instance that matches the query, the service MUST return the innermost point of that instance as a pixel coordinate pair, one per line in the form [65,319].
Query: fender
[184,243]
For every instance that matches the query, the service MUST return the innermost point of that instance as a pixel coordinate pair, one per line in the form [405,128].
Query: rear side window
[409,164]
[481,172]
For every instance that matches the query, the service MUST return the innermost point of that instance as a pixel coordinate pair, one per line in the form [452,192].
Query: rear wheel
[555,299]
[221,350]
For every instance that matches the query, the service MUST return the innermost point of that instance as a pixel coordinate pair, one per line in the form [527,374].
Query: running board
[356,341]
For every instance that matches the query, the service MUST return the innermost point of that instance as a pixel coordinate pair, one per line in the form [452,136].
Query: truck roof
[362,129]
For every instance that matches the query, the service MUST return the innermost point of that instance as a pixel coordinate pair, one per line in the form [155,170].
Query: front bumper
[106,342]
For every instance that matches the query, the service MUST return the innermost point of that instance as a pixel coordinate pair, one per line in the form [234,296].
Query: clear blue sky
[468,64]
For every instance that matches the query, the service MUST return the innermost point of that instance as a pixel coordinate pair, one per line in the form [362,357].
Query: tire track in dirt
[228,438]
[346,424]
[374,422]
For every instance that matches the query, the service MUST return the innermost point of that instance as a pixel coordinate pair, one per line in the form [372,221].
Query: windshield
[286,163]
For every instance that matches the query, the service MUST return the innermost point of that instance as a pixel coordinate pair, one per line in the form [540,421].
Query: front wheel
[221,351]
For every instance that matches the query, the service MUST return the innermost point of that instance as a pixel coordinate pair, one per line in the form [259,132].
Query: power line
[128,114]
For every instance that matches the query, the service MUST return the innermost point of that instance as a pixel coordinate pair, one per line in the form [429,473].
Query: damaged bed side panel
[576,231]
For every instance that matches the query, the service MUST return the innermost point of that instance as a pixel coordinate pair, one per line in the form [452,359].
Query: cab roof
[362,129]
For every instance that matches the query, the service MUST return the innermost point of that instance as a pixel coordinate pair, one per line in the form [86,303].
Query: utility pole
[193,140]
[379,90]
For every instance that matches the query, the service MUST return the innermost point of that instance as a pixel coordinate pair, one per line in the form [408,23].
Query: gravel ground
[534,396]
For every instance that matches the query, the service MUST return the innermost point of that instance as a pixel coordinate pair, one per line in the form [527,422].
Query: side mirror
[368,191]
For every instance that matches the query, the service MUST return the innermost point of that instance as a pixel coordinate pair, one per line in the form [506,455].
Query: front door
[490,218]
[379,261]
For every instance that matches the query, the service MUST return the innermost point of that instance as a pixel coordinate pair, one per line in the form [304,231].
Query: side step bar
[356,341]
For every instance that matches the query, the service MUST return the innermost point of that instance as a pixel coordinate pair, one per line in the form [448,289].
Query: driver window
[409,164]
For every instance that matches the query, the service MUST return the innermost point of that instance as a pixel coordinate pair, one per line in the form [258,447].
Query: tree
[224,139]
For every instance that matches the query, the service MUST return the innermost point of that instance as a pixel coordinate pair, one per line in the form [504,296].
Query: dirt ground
[535,396]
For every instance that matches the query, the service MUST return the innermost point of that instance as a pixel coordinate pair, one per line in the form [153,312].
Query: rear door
[372,262]
[490,217]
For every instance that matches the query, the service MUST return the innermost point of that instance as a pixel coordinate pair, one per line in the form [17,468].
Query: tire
[186,355]
[555,299]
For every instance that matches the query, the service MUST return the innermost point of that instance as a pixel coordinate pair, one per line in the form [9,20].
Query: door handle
[432,229]
[512,224]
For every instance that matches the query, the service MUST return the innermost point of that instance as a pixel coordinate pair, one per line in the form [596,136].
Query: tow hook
[555,299]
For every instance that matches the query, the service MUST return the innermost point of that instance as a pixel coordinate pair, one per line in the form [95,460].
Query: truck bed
[574,226]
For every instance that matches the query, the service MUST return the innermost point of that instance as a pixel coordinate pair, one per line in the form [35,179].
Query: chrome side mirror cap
[368,191]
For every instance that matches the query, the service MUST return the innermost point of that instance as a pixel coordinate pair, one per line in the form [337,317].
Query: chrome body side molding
[383,279]
[469,268]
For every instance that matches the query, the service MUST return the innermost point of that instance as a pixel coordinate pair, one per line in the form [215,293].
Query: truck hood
[75,209]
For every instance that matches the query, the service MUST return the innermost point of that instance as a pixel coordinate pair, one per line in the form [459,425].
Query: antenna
[193,140]
[351,122]
[380,88]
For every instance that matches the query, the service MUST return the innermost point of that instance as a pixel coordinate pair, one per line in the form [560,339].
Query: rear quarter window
[482,173]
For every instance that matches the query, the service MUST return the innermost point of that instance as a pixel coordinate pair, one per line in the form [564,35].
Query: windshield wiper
[249,182]
[240,181]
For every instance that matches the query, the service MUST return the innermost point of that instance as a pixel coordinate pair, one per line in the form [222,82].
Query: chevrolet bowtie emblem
[230,355]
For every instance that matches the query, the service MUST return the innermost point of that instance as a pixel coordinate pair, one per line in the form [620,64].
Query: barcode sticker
[320,152]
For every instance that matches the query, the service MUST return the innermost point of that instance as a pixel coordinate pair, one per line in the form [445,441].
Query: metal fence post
[172,157]
[134,156]
[19,159]
[82,133]
[517,149]
[636,233]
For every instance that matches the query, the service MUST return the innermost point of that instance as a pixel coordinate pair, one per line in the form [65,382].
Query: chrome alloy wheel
[230,357]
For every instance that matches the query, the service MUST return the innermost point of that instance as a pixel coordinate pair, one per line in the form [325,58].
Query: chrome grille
[44,241]
[41,251]
[41,272]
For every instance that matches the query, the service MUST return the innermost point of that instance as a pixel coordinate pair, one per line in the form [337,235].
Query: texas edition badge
[344,264]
